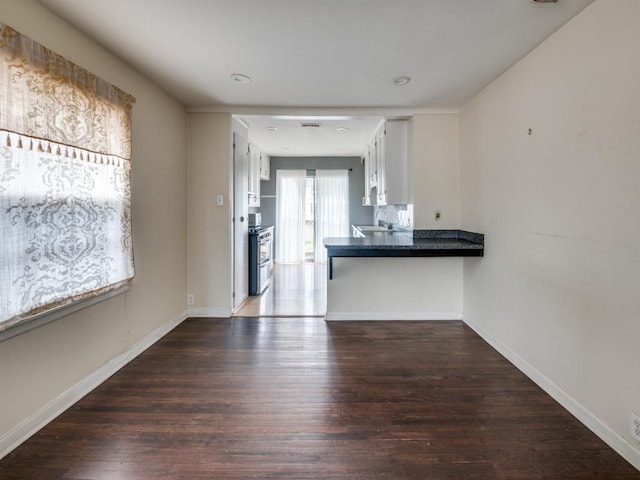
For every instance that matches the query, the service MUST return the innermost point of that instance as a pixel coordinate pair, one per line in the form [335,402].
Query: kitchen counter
[417,243]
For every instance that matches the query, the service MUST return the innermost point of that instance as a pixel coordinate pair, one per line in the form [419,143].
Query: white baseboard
[593,423]
[46,414]
[364,316]
[214,312]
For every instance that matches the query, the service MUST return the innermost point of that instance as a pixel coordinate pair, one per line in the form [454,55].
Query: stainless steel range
[260,258]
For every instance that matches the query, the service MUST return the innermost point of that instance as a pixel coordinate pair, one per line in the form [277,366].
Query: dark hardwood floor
[302,399]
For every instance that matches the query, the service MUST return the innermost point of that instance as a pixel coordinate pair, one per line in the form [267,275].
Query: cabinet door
[381,166]
[396,163]
[366,160]
[254,176]
[373,169]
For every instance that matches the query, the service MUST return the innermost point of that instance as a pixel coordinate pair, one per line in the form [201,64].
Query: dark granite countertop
[407,243]
[416,243]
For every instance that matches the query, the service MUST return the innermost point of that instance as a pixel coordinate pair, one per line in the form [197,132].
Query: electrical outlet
[220,200]
[191,299]
[437,215]
[635,426]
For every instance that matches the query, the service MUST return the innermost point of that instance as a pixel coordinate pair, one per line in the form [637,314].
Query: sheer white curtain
[332,208]
[290,189]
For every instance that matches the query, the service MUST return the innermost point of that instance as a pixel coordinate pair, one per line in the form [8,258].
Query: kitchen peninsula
[399,275]
[419,243]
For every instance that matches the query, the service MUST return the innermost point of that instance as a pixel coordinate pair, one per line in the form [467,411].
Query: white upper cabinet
[380,165]
[386,164]
[374,155]
[393,170]
[366,160]
[254,176]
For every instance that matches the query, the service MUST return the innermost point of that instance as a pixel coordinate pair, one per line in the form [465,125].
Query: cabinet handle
[241,219]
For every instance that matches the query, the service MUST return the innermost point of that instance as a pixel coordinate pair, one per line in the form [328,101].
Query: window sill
[35,321]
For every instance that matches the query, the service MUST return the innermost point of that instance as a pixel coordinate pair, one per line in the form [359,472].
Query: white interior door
[240,222]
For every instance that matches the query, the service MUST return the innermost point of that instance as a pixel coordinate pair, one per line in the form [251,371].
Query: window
[65,142]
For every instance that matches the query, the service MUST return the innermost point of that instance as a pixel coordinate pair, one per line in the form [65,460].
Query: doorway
[289,146]
[311,204]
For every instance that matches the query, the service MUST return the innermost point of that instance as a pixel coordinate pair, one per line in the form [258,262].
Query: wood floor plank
[298,398]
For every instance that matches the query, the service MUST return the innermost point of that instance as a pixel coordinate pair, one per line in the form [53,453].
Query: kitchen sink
[369,230]
[373,228]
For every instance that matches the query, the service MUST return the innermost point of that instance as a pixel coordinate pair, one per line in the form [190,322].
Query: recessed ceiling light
[272,129]
[240,78]
[341,129]
[400,81]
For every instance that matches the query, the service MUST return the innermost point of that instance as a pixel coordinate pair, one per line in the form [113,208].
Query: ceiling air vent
[310,124]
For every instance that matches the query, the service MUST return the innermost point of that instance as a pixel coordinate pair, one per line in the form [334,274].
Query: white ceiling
[292,139]
[305,55]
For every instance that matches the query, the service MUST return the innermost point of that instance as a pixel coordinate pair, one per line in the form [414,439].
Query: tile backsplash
[400,215]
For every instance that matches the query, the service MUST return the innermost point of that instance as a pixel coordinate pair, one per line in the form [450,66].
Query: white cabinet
[254,176]
[386,165]
[265,167]
[259,169]
[393,182]
[380,165]
[366,160]
[372,158]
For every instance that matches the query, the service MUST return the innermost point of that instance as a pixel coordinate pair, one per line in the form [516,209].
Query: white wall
[434,167]
[558,286]
[406,288]
[39,366]
[209,257]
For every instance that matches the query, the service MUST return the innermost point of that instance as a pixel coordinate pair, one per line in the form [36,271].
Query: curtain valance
[46,96]
[24,142]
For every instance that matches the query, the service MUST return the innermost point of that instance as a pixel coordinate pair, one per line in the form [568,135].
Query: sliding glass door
[308,209]
[332,208]
[290,193]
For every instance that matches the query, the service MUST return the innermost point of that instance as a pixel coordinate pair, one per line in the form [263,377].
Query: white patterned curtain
[290,190]
[332,208]
[65,144]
